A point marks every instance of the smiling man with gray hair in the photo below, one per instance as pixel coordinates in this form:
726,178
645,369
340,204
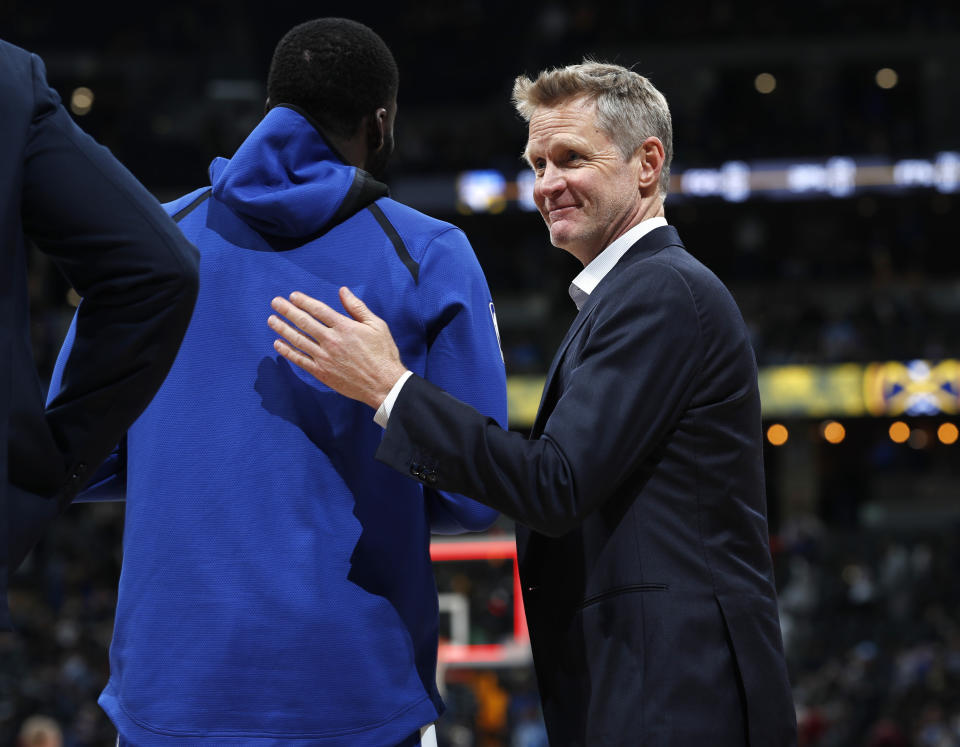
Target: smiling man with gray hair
642,522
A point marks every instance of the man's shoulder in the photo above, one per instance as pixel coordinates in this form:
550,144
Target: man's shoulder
23,85
670,265
675,259
412,221
423,235
16,63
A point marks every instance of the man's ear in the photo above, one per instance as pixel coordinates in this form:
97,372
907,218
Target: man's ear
650,157
376,130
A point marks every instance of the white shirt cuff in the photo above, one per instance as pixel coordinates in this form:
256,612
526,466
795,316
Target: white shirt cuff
383,412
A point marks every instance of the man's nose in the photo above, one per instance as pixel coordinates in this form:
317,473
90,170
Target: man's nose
551,182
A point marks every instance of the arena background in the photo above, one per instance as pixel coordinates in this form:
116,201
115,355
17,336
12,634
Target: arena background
817,169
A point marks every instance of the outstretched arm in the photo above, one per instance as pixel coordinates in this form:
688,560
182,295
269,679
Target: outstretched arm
463,358
601,430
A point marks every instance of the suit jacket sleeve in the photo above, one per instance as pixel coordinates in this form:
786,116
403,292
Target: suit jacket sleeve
108,482
463,358
626,386
137,275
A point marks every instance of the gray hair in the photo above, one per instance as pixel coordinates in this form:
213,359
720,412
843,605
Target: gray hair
629,108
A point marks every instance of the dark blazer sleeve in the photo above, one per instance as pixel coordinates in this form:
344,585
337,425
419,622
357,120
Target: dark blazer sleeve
626,385
138,277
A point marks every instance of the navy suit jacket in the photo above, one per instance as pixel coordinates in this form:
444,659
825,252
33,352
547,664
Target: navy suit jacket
137,274
642,534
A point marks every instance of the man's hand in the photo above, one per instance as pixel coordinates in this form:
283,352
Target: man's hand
355,357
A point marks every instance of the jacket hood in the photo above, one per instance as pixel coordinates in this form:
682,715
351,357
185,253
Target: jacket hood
286,180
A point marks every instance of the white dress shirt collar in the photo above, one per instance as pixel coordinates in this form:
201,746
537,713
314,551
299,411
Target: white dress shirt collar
584,283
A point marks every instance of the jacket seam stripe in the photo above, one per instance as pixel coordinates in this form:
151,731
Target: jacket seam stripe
184,212
398,245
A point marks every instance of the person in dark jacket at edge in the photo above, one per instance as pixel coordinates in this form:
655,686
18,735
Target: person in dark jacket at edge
69,197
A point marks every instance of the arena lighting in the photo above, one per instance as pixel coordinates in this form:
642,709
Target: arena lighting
481,192
899,432
919,439
948,433
525,181
765,83
731,182
777,434
886,77
81,101
833,432
833,177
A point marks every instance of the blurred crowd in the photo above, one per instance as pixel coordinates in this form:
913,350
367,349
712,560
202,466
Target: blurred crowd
55,663
871,624
176,88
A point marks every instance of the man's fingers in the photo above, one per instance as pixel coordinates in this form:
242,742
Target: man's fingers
357,308
302,319
294,336
316,309
295,356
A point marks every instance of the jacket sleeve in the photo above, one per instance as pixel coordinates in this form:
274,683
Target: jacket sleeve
137,276
463,358
108,482
630,384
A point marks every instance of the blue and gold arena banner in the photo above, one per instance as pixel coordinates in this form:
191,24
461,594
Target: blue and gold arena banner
880,389
913,388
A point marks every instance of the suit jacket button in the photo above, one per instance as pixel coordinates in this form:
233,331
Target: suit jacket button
415,469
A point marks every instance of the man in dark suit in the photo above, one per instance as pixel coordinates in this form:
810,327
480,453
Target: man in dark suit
642,534
138,278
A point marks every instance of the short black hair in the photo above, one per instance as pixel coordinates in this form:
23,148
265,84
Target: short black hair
335,69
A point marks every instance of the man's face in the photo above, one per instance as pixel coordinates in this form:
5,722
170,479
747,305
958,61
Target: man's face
377,160
586,192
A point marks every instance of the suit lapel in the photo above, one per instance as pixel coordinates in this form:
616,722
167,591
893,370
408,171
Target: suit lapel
647,246
542,411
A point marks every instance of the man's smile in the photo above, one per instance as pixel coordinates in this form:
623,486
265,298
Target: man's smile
558,213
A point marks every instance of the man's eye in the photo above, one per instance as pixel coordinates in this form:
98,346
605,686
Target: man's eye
573,156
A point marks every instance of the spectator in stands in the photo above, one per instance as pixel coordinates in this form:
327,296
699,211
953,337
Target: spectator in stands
40,731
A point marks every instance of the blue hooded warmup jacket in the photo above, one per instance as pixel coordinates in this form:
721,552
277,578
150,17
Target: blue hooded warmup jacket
276,586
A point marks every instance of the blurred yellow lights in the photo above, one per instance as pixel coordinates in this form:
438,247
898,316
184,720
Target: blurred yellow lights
834,432
948,433
886,77
777,434
899,432
81,101
765,83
